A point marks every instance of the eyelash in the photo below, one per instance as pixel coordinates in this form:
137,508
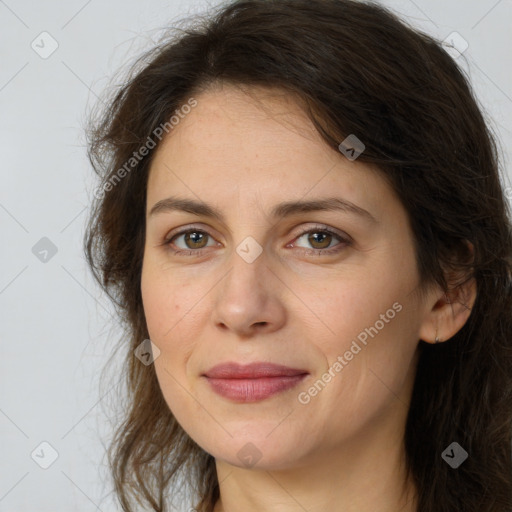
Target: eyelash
345,241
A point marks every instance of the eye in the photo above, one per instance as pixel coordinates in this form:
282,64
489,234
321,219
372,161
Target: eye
321,238
194,240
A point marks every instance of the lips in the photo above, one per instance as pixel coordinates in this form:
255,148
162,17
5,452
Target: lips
252,371
253,382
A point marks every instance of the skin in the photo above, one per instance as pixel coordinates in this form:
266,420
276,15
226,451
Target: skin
343,450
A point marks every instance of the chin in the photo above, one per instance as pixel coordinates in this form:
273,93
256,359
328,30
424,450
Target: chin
258,451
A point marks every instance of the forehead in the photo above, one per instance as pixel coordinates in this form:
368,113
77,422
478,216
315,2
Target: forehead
229,122
260,143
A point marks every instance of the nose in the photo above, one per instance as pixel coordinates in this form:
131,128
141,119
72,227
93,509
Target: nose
249,300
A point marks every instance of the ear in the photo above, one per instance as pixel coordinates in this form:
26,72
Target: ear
447,312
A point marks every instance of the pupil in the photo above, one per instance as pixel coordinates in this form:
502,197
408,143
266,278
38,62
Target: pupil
323,236
195,237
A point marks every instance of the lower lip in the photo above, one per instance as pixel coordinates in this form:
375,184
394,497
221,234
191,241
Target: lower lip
253,390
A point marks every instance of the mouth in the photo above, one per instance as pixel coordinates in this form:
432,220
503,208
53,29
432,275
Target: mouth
253,382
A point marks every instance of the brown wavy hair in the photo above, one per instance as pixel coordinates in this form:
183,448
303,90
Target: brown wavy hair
357,68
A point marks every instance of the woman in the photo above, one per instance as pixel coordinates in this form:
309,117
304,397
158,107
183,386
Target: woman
301,208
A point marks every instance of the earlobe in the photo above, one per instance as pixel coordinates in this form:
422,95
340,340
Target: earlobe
449,313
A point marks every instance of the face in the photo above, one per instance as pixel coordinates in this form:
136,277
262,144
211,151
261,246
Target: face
331,292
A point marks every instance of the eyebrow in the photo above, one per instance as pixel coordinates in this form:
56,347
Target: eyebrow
280,210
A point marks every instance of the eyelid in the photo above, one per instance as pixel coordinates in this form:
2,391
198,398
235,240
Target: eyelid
323,227
183,229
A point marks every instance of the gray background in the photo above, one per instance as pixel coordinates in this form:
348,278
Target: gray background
56,328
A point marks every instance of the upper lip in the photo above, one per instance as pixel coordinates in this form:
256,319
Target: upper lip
255,370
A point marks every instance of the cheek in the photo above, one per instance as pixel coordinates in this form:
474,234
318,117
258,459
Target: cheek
170,327
166,301
174,308
368,364
372,326
349,307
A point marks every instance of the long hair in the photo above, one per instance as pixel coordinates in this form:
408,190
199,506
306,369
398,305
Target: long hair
355,68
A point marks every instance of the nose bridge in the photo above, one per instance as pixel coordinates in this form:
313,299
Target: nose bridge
245,298
245,280
248,259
